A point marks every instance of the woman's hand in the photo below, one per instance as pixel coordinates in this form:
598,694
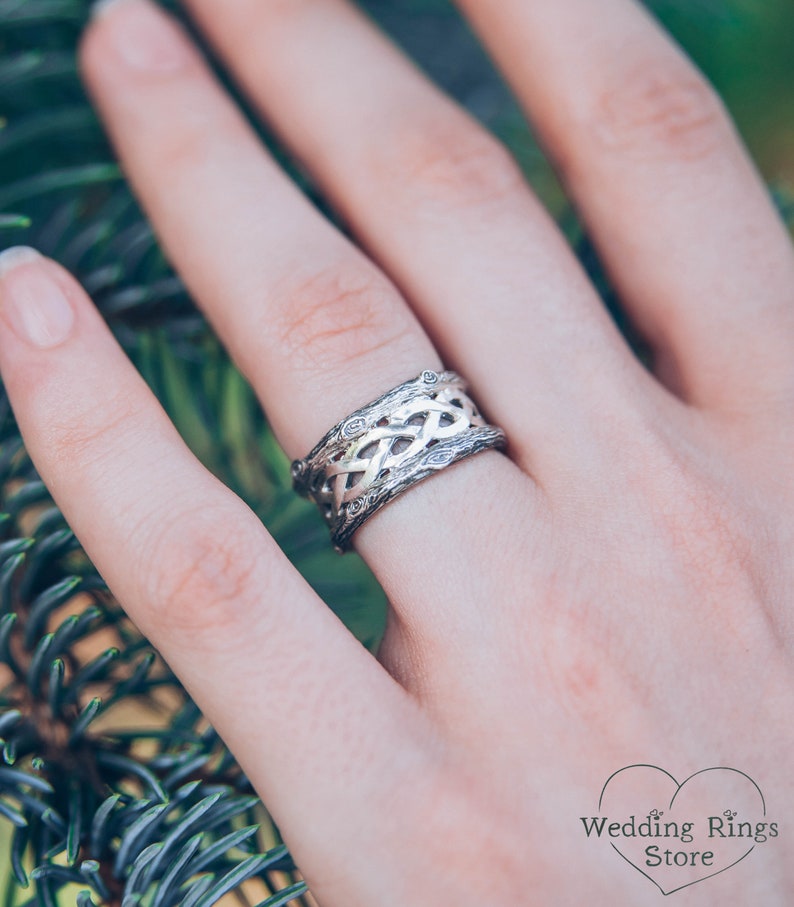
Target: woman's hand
616,590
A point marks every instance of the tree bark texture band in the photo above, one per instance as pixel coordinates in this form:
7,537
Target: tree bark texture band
407,434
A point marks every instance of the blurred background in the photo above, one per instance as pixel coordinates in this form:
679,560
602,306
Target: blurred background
109,710
745,47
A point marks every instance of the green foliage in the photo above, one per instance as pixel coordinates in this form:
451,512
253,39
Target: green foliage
113,787
158,814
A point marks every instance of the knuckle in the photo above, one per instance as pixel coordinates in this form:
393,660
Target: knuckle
335,316
182,150
452,159
663,108
79,437
575,672
194,142
199,572
704,530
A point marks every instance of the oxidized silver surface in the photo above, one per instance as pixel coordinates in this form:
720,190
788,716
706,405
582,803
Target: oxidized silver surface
377,452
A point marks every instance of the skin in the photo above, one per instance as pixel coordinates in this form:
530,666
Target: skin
617,589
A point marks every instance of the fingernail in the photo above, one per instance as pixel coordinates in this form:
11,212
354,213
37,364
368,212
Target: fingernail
144,37
33,303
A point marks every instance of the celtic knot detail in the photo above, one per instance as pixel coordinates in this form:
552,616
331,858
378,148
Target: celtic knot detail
404,436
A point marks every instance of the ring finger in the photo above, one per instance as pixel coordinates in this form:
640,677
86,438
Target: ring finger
444,209
315,326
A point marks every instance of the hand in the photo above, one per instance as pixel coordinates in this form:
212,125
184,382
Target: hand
617,589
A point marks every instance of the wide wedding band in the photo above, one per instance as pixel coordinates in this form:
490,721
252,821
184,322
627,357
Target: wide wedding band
409,433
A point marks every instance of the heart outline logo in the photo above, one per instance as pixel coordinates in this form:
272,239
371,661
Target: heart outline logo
678,788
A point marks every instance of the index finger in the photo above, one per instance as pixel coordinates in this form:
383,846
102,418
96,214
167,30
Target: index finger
295,696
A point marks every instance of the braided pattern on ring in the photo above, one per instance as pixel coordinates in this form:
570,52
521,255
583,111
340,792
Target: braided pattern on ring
394,442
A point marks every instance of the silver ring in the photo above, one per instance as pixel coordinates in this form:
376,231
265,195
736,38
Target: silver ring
382,449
